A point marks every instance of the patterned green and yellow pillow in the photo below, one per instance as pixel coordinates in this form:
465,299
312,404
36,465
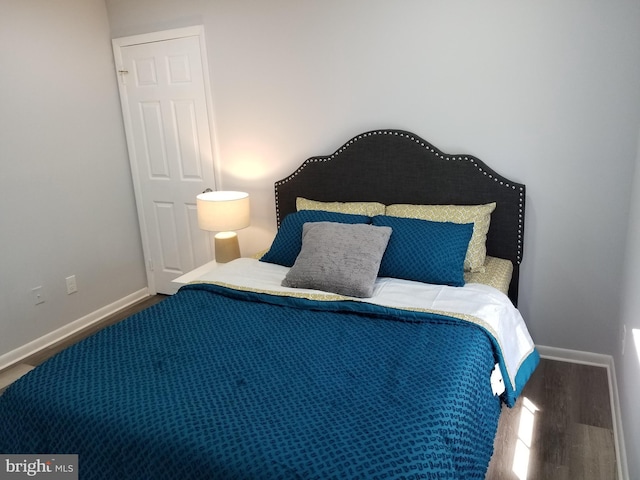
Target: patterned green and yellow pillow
479,215
370,209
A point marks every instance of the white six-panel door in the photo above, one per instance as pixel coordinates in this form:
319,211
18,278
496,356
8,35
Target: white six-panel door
164,95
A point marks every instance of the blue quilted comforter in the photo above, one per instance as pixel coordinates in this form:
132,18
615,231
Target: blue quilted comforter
218,383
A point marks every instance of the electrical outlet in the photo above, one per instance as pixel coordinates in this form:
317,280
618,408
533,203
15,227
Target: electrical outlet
37,295
72,286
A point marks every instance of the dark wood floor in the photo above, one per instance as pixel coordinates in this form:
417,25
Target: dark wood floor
561,427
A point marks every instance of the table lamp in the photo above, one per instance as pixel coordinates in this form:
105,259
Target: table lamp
223,212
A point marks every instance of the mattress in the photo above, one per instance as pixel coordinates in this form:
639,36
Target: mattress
497,273
243,381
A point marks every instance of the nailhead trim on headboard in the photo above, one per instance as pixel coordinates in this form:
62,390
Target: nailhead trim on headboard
472,160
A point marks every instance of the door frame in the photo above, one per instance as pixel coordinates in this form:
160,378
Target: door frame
118,44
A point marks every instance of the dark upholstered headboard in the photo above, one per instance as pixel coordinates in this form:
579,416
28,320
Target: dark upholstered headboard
394,166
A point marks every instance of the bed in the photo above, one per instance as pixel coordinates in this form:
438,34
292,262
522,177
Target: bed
279,367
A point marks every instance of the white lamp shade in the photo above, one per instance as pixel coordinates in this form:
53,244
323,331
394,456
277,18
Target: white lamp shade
223,211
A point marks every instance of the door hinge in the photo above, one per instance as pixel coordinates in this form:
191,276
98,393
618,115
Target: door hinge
150,265
122,73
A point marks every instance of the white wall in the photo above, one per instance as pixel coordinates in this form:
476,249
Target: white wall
67,198
628,365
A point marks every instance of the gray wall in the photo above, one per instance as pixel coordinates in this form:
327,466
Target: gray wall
628,365
67,198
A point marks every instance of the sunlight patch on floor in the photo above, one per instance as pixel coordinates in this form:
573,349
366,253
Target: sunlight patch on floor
523,444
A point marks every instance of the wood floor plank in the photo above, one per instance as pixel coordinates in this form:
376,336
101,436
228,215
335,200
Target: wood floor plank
592,452
501,465
594,406
554,401
548,471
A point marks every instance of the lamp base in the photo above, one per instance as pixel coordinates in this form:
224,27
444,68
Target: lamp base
226,246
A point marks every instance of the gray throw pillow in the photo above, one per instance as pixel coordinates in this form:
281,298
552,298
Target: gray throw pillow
339,258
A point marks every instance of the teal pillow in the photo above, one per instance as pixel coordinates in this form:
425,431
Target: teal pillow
425,251
288,242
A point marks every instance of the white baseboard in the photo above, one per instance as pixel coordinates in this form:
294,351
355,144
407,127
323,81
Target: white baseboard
16,356
600,360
